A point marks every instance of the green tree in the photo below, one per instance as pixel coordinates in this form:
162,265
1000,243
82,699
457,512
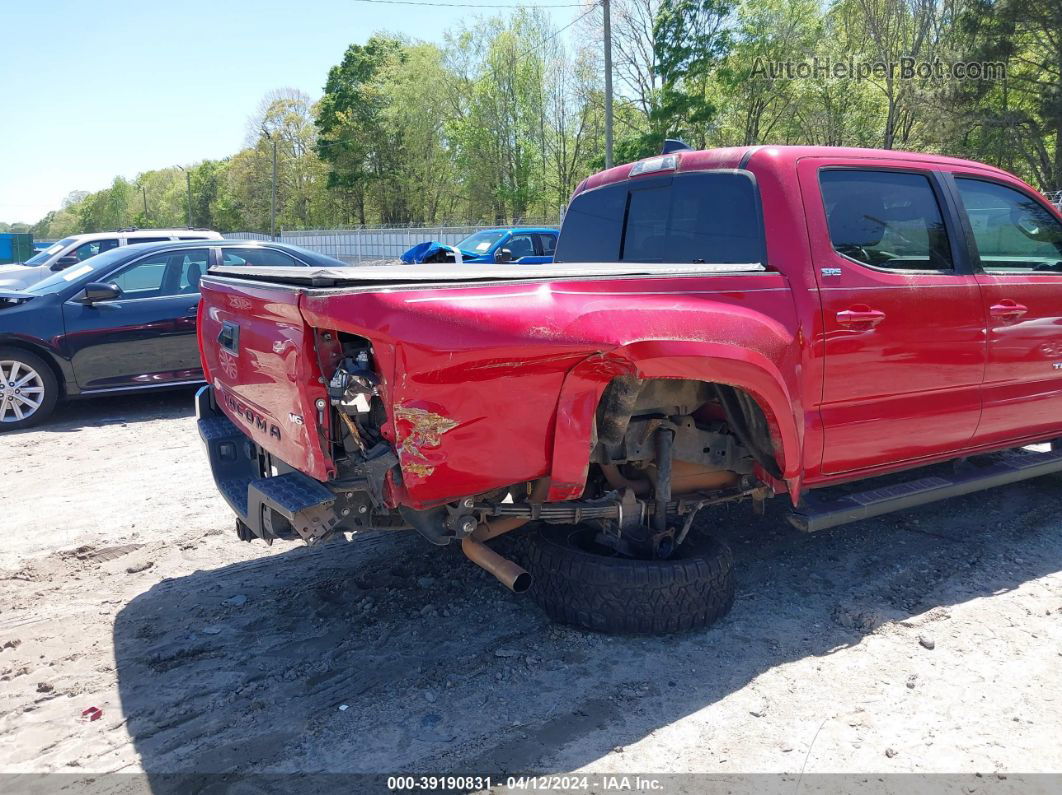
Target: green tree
287,116
690,37
757,109
1015,122
498,123
354,138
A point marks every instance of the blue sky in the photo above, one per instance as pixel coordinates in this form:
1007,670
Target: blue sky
91,90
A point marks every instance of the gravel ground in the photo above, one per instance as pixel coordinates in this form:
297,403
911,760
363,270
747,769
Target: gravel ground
929,641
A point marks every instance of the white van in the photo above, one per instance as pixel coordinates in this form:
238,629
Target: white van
78,248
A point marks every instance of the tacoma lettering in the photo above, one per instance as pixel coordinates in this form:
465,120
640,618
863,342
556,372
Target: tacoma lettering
253,417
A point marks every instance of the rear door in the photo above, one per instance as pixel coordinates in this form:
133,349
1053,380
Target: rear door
902,313
1017,242
146,337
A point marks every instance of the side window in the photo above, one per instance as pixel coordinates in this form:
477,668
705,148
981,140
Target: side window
133,240
164,274
548,243
91,249
193,265
521,246
886,219
142,279
1013,231
259,257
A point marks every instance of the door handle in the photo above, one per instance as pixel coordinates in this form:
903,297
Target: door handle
1007,309
860,317
229,337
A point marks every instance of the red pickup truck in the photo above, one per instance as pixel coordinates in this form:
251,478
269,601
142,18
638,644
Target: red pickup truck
718,325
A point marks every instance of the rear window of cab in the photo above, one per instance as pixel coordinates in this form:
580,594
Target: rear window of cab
710,217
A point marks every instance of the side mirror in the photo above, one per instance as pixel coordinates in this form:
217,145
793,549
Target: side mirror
65,262
503,255
100,291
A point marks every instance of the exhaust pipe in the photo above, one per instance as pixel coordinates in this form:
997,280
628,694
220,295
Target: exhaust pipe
513,577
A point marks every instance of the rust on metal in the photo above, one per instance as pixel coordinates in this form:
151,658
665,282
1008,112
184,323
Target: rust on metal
354,434
686,478
425,432
416,468
509,574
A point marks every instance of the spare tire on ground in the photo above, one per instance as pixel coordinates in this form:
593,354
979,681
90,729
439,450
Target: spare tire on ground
578,582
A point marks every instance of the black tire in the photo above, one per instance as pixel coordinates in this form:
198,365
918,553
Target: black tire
619,595
46,380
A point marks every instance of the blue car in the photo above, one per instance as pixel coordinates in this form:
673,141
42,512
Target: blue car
525,245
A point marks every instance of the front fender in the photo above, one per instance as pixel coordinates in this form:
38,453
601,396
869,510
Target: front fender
60,365
741,367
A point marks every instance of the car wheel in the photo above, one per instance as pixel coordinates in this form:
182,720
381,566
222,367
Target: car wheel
579,582
28,389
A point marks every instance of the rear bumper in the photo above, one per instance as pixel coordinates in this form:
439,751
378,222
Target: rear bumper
251,481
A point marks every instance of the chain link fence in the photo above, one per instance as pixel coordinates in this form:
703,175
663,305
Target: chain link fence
372,243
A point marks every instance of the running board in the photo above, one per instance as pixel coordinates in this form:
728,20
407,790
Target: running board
818,513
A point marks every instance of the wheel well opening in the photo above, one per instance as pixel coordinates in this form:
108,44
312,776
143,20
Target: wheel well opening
704,414
42,354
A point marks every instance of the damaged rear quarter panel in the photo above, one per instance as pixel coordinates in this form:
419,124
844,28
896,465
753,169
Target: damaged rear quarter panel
473,375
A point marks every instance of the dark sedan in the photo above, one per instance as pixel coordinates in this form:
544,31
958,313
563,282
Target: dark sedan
118,322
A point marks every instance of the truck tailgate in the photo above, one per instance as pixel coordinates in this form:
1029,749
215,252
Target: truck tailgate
259,356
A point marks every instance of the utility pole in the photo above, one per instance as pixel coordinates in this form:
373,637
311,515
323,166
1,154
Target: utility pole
143,192
188,183
606,8
273,198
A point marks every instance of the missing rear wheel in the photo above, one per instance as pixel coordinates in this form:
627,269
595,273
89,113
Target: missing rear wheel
580,582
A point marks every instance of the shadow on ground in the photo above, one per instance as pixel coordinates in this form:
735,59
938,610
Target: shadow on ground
387,655
117,409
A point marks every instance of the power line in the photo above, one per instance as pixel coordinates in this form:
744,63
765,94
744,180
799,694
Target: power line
541,44
470,5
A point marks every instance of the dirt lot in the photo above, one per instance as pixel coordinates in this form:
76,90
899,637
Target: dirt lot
929,641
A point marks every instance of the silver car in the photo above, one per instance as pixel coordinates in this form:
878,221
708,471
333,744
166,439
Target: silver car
76,249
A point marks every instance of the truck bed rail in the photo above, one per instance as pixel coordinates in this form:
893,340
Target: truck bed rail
375,277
